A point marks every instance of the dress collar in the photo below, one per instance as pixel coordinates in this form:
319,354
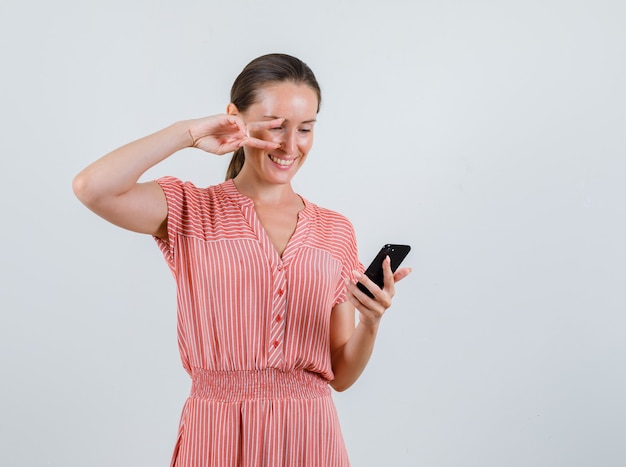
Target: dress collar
230,189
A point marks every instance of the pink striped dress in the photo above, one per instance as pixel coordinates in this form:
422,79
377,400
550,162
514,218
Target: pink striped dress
253,329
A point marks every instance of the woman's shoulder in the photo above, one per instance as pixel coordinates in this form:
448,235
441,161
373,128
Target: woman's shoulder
198,201
175,181
325,212
189,188
329,219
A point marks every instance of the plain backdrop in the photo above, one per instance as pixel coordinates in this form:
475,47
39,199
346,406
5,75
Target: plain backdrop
489,135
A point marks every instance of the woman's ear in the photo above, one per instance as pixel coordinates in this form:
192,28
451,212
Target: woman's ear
231,109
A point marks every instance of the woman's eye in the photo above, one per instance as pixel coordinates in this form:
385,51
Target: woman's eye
305,130
276,128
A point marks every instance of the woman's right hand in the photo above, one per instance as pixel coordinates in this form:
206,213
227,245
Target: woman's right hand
221,134
110,187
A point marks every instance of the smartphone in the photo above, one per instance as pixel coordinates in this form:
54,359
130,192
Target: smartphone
396,253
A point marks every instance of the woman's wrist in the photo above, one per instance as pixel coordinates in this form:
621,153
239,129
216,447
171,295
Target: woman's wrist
180,132
369,324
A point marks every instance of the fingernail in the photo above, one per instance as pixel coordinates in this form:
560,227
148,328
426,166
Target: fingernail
357,274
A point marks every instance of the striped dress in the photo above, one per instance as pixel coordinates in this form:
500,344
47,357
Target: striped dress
253,329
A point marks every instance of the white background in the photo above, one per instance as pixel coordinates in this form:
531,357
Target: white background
490,135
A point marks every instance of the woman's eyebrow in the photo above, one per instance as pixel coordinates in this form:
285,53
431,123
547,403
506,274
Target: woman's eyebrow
273,117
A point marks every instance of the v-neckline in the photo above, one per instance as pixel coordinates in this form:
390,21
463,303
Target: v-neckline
297,237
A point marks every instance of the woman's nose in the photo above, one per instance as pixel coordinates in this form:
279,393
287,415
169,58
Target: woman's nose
289,143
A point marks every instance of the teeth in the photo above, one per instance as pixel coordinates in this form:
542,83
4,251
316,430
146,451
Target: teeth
282,162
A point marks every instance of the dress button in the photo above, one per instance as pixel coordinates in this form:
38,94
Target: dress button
280,267
275,344
279,319
280,292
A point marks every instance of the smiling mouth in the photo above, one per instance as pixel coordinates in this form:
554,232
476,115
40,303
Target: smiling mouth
282,162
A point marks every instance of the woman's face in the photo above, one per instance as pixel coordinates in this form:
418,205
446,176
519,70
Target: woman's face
295,103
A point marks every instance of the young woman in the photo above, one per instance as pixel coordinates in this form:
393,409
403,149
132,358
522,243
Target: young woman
265,278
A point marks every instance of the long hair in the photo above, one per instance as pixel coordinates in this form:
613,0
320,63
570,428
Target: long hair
271,68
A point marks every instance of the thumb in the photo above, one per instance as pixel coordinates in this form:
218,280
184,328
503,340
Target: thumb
401,274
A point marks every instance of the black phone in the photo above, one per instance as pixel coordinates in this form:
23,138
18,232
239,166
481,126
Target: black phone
396,254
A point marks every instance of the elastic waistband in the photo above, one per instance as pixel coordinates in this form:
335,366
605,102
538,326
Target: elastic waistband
257,384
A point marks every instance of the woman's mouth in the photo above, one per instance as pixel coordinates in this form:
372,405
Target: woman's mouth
281,162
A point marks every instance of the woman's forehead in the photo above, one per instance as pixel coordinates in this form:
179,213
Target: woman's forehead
286,100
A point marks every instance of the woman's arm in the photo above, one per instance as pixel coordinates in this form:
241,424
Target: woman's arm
110,187
351,347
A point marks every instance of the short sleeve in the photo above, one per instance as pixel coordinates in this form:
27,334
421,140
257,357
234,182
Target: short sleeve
174,190
348,253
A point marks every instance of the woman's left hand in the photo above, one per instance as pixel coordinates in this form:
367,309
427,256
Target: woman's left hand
371,310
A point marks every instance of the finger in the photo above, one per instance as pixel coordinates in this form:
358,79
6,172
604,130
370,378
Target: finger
237,122
259,143
388,280
381,297
261,125
366,282
264,124
228,147
359,299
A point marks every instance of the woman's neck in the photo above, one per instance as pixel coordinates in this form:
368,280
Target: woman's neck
265,193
